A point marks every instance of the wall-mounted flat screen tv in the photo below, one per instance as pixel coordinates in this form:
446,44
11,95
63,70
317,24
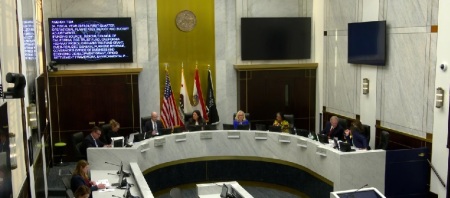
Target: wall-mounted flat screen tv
276,38
90,40
367,43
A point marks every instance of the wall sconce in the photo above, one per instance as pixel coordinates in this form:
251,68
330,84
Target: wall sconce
365,86
32,118
12,150
439,97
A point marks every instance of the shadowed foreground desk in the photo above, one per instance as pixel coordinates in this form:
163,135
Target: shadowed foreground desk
340,170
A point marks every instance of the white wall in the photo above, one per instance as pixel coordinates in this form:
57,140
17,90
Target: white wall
441,116
10,63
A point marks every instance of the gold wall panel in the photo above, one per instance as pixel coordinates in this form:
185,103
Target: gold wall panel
191,48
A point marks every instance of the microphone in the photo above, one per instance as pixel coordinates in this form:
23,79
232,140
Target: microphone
111,163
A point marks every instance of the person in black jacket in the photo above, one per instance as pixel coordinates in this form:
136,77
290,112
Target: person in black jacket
108,131
333,129
92,140
80,178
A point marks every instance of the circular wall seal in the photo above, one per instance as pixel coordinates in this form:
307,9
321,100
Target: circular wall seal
186,20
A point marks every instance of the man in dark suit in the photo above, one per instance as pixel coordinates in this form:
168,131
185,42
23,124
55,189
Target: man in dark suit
153,126
333,129
92,140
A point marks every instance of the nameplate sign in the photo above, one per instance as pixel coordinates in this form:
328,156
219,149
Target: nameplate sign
260,136
302,143
180,138
234,135
159,142
144,147
321,151
205,135
284,139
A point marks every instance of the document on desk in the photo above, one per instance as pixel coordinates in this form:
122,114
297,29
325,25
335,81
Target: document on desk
105,182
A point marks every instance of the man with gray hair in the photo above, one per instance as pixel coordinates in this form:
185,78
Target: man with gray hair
333,129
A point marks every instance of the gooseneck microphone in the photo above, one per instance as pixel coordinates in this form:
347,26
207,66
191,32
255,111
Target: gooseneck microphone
111,163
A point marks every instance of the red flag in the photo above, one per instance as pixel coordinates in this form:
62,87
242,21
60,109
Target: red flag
169,114
199,103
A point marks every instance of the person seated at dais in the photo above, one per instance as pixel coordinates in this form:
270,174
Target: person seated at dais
154,125
80,178
240,119
282,122
92,140
333,129
82,192
196,119
108,131
358,139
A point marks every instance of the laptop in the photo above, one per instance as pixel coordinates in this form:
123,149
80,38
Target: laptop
138,137
302,132
195,128
323,138
243,127
275,128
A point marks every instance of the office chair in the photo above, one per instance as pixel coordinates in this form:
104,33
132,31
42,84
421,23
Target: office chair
143,121
66,181
366,134
261,127
303,132
343,122
228,127
210,127
290,119
69,193
384,140
175,193
77,140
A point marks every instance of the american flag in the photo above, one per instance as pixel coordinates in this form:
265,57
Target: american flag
169,114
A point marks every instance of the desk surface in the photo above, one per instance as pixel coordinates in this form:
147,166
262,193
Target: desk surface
345,170
113,191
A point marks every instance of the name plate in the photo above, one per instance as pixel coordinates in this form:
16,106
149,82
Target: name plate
159,142
260,136
302,143
180,138
321,151
144,147
234,135
284,139
205,135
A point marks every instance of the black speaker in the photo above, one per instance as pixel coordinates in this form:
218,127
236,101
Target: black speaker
18,91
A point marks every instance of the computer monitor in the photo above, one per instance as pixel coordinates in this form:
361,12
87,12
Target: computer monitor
117,141
275,128
138,137
323,138
302,132
194,128
345,147
243,127
210,127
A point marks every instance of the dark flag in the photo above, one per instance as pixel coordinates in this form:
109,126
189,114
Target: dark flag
211,108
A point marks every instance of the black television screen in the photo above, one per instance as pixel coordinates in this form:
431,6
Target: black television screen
367,43
90,40
276,38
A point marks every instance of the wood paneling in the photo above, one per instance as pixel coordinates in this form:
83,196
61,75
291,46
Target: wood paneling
80,102
262,93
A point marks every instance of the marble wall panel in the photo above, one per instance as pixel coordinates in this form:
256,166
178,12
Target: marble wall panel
271,8
403,82
406,13
340,13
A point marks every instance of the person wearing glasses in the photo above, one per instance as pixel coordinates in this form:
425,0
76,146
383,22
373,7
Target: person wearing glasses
240,119
92,140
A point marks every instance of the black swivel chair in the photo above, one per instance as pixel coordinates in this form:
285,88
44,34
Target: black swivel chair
366,134
228,127
290,119
261,127
384,140
77,143
343,122
143,121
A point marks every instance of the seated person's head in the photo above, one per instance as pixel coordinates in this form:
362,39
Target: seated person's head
356,126
154,116
240,116
96,132
280,116
82,168
334,120
196,115
115,126
82,192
